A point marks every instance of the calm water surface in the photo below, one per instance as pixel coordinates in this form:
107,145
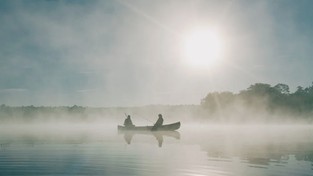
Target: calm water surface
195,150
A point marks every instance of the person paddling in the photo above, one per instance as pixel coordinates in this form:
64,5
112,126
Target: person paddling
158,123
128,122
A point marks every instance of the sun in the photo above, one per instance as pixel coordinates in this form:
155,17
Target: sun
202,48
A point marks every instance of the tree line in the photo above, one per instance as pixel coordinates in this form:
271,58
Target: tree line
263,98
259,101
81,113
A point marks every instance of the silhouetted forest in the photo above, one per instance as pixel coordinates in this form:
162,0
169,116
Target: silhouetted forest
148,114
262,99
259,102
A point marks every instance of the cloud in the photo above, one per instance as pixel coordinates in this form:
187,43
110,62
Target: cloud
13,90
86,90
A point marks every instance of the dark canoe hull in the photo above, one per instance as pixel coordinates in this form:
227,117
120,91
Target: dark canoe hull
168,127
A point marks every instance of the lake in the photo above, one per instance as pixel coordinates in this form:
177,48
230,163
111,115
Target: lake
195,150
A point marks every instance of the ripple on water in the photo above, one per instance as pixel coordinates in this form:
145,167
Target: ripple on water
192,155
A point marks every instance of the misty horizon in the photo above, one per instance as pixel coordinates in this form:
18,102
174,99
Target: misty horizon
259,103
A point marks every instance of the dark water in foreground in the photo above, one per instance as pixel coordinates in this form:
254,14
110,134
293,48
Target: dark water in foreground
194,150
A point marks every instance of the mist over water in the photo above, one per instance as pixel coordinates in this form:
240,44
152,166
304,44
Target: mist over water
97,148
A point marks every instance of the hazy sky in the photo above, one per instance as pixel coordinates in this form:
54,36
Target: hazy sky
129,53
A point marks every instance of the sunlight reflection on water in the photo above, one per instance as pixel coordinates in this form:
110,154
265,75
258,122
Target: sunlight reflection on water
200,150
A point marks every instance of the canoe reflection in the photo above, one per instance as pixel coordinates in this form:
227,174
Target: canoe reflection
128,135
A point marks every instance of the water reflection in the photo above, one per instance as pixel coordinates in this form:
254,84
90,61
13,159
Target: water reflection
260,148
200,151
4,146
158,135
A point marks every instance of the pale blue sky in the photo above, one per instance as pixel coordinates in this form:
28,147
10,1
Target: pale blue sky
127,53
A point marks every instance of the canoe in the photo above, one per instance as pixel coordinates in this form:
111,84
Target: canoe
168,127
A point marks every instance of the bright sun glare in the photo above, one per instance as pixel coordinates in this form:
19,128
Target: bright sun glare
202,48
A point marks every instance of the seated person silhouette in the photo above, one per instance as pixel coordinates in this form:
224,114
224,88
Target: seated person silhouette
158,123
128,122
